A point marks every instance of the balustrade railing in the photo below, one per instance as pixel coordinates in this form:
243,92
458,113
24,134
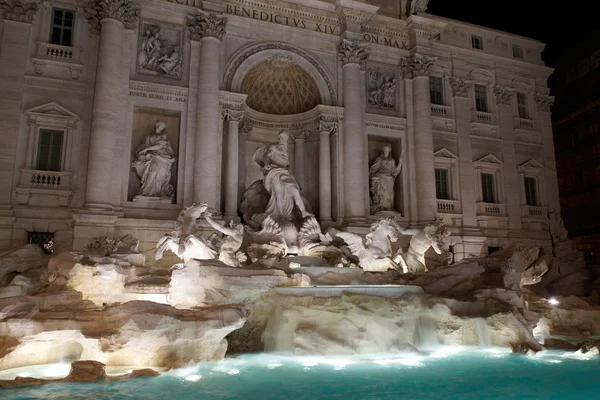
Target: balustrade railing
45,179
441,111
525,124
448,206
538,212
491,209
484,118
59,53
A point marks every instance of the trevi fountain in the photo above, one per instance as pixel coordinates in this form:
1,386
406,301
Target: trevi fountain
278,306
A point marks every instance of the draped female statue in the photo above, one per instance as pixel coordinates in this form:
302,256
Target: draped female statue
154,159
382,176
278,180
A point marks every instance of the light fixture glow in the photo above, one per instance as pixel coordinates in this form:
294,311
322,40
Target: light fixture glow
553,301
193,378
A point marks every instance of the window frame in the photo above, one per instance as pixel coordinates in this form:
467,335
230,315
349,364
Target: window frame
490,165
477,100
476,39
62,27
523,108
448,183
484,191
533,169
517,54
536,191
441,90
54,133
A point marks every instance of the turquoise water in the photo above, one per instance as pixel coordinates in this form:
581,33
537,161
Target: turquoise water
448,373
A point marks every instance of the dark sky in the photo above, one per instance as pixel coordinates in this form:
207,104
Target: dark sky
551,22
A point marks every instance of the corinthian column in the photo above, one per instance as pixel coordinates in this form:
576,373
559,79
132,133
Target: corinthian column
232,167
109,17
208,28
325,129
353,54
417,68
299,140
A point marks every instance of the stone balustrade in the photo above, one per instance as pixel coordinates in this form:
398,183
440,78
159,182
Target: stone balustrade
491,209
61,56
537,212
48,188
526,124
441,111
484,118
448,206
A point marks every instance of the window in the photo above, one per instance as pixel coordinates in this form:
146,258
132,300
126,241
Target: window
436,90
488,189
481,103
62,27
522,105
517,52
477,42
531,192
442,184
49,150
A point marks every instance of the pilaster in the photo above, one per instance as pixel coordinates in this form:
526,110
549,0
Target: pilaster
14,46
326,128
511,177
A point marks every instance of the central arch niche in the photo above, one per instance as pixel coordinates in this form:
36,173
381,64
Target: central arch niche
278,86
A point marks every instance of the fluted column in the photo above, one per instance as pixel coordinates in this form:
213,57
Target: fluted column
512,184
208,28
353,54
109,17
417,68
299,150
233,118
325,129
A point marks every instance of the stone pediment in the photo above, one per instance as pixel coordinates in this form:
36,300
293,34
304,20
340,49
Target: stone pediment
52,109
490,159
531,164
445,153
481,74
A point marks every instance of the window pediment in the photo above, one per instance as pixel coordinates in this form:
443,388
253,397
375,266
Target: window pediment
489,159
445,153
531,164
52,112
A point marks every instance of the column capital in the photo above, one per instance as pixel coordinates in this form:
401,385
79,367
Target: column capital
353,52
15,10
543,101
301,134
121,10
327,127
503,95
460,87
416,65
206,24
233,115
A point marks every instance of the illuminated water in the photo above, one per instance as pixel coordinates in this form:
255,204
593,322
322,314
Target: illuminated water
447,373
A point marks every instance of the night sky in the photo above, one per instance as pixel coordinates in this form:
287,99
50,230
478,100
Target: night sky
551,22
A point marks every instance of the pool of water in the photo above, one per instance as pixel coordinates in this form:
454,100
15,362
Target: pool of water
447,373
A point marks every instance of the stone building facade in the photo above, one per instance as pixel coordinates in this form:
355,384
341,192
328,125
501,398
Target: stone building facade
84,84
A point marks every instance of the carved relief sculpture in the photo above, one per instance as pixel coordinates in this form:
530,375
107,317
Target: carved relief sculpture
15,10
159,51
382,176
381,88
120,10
153,162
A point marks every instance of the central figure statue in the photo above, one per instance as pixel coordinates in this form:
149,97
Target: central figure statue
284,191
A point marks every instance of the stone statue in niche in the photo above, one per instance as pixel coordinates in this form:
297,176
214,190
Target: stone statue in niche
153,162
382,175
381,89
159,53
285,197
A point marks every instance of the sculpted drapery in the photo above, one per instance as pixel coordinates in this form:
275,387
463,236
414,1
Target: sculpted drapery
382,176
154,160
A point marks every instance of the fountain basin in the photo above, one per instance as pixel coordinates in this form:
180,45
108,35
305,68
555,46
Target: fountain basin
337,290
